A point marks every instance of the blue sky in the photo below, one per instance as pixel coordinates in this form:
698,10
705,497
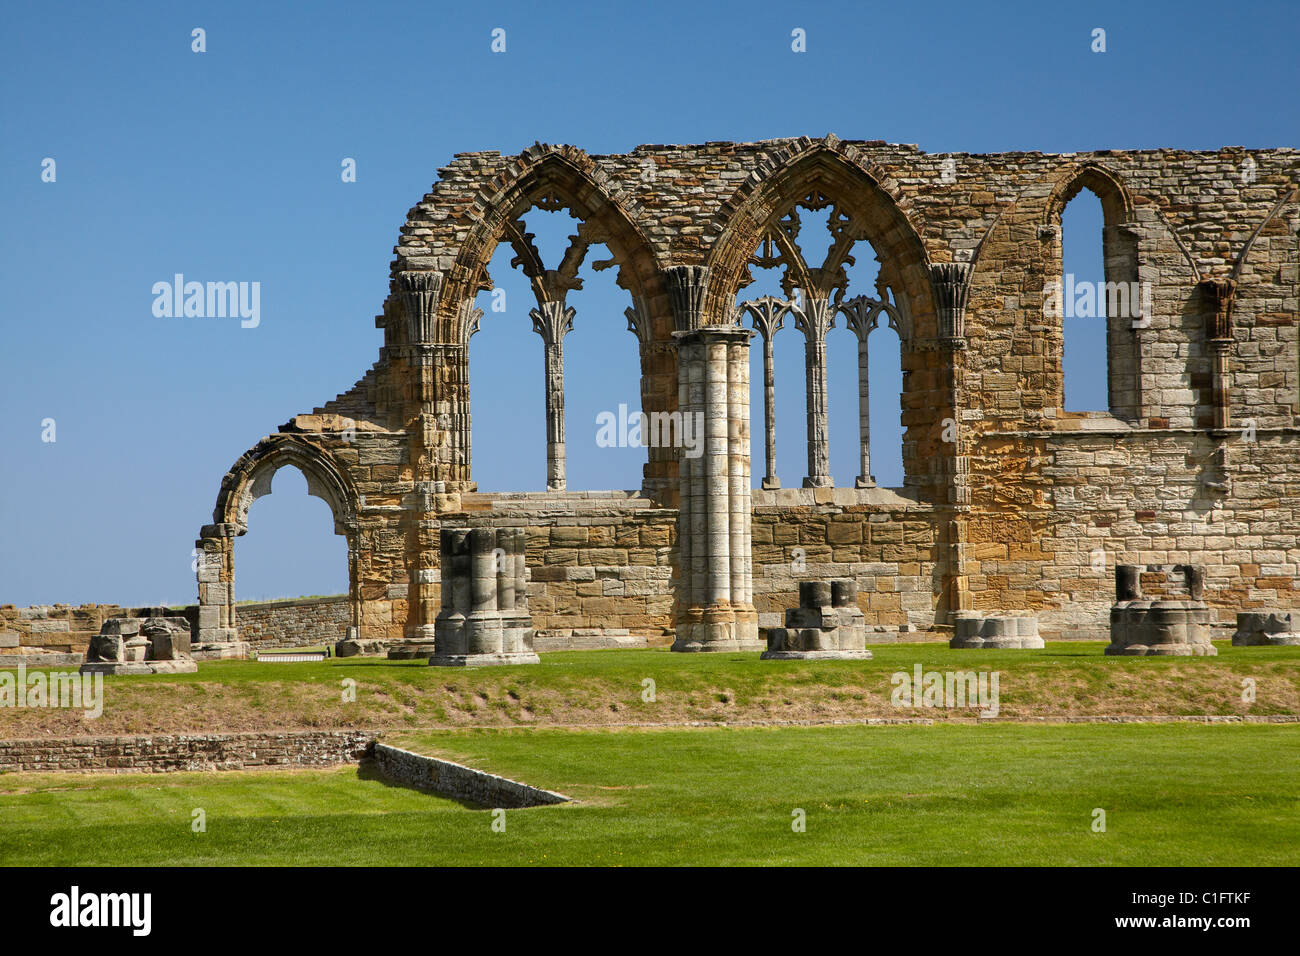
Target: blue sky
225,166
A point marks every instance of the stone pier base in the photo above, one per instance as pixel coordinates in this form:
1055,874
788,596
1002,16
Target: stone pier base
998,632
1265,629
827,625
1142,627
484,619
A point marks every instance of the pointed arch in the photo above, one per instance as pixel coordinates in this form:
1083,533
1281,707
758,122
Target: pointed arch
867,193
251,476
556,177
1105,183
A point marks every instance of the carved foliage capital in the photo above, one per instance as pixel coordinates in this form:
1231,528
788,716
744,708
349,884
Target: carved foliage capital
815,319
553,321
767,314
687,286
419,293
951,284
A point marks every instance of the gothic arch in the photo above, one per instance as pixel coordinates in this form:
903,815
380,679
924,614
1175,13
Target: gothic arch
835,169
1109,187
561,177
866,205
250,478
565,178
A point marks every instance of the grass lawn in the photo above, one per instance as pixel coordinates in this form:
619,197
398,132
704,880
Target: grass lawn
605,688
945,794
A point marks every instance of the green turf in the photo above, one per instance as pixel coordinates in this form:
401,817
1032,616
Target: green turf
1173,794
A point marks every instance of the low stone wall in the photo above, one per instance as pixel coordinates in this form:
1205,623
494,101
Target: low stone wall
458,781
60,629
170,753
294,623
51,634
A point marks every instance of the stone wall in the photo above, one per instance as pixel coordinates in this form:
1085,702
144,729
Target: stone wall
59,629
1083,502
882,540
457,781
295,623
167,753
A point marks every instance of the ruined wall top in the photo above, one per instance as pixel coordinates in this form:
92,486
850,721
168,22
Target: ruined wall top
679,200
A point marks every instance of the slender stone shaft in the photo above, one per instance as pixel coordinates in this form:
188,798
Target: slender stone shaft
865,479
815,320
768,315
716,480
553,321
770,479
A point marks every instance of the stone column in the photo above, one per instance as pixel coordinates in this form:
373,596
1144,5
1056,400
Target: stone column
715,610
863,315
950,284
1218,336
430,366
814,321
553,321
768,316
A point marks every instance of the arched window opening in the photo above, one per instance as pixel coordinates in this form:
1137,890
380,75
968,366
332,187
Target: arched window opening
290,549
555,375
813,264
507,417
1083,305
777,347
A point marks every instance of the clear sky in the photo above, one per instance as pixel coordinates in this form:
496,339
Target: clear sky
225,165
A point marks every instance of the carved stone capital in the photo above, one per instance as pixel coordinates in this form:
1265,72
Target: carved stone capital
951,284
638,321
861,315
468,320
553,321
419,293
815,319
767,314
687,286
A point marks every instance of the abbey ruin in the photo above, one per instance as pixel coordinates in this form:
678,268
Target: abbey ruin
1010,505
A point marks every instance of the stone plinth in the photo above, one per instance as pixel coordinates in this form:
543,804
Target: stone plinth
995,632
1265,629
484,618
151,645
1165,627
827,625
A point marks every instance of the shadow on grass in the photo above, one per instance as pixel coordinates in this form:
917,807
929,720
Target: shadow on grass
369,772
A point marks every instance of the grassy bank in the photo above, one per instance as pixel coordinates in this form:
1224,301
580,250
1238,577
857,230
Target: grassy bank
584,688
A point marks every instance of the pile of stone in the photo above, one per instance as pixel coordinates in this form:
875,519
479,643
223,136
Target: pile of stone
827,625
158,644
484,617
1265,629
1165,627
995,632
